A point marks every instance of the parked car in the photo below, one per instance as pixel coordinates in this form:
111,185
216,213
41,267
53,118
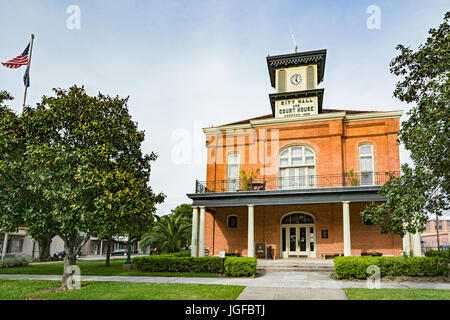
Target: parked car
119,252
62,254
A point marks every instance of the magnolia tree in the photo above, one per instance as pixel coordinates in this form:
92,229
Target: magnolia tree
83,160
424,189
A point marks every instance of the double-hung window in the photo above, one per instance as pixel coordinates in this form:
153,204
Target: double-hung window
366,164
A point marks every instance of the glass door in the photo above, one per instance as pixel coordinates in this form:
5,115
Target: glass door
233,172
298,241
292,240
302,240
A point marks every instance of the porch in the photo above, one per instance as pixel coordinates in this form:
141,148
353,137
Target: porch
335,223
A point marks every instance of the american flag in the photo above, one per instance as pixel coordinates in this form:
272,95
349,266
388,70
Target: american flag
19,61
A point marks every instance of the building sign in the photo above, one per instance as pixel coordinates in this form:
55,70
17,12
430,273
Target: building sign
299,107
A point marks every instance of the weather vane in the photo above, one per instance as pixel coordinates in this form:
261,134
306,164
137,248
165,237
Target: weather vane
293,40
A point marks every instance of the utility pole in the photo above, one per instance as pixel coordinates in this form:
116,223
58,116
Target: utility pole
437,233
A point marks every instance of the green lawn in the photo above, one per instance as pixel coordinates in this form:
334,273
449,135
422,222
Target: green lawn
96,268
397,294
47,290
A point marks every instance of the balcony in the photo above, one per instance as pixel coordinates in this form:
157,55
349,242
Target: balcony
366,179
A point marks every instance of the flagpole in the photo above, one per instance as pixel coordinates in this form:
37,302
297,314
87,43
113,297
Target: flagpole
28,73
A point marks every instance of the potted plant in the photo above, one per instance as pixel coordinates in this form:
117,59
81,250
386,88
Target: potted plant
353,178
246,178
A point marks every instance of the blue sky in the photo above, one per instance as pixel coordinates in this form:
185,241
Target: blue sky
192,64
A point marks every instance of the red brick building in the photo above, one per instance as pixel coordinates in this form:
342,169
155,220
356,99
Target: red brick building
296,180
429,236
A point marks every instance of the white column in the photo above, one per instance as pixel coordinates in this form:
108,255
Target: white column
201,240
346,224
194,239
416,244
5,245
101,247
407,243
251,231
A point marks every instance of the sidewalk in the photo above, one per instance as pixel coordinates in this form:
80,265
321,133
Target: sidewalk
305,280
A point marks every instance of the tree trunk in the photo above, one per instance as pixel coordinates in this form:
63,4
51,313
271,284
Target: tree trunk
44,248
69,261
108,251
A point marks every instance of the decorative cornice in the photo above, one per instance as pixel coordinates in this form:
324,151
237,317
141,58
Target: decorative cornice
373,116
312,118
366,116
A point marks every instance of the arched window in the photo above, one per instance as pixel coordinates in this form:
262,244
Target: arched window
366,164
297,218
233,161
281,81
310,78
297,168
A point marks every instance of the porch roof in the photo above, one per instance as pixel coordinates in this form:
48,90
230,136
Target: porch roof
282,197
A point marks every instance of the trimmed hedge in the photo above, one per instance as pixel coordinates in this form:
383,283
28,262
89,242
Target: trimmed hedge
184,253
355,267
435,253
163,263
240,266
231,266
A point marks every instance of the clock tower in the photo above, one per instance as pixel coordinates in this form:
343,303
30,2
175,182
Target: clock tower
295,78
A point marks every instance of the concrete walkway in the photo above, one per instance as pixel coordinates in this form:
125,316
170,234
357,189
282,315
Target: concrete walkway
270,293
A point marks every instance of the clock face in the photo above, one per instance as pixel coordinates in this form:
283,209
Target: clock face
296,79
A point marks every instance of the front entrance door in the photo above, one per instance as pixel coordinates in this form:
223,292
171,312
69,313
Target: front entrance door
298,241
298,236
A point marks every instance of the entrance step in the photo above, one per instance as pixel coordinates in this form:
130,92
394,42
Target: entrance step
301,265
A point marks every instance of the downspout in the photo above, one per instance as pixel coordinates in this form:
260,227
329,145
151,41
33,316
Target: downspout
214,233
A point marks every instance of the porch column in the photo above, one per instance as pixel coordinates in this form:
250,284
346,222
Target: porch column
416,244
412,243
406,240
251,231
5,246
101,247
346,224
201,240
194,239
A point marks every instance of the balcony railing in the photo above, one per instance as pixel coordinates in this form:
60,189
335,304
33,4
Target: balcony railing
295,182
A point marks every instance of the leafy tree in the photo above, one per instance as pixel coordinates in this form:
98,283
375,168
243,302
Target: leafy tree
83,159
170,233
12,148
424,189
184,209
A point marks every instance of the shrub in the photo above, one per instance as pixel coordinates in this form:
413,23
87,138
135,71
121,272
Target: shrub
167,263
231,266
19,261
184,253
240,266
355,267
435,253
